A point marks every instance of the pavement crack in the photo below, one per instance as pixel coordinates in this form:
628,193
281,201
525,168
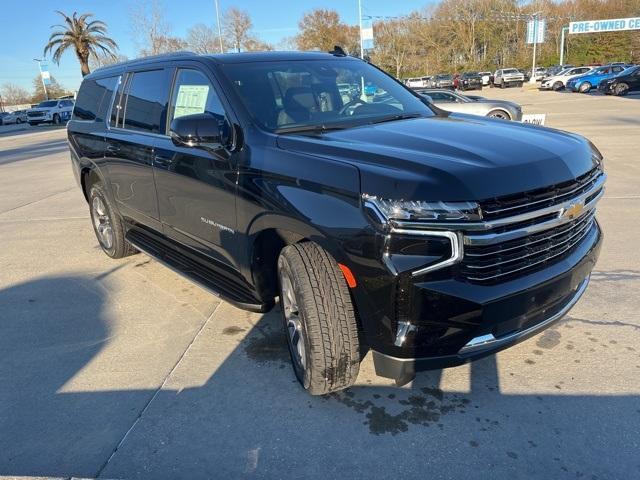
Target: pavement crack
156,393
36,201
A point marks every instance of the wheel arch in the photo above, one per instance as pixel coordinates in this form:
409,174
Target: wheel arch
498,109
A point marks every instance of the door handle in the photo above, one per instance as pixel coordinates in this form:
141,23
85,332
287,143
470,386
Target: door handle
162,162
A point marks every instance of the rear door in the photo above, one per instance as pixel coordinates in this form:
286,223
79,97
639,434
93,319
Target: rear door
138,119
196,186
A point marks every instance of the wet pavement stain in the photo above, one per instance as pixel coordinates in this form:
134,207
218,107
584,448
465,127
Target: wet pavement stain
267,346
233,330
549,339
424,409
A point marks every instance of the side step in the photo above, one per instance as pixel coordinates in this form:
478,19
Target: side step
199,269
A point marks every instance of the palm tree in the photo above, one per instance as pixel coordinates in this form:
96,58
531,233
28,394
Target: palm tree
87,37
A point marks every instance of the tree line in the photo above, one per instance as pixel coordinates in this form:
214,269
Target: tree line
448,37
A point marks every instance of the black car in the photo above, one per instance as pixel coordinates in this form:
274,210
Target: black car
469,81
380,222
626,81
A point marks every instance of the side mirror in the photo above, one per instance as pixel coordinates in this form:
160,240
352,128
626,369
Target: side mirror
197,130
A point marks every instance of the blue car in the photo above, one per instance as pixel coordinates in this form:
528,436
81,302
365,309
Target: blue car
584,83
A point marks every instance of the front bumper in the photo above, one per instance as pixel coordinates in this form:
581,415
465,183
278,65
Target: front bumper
479,320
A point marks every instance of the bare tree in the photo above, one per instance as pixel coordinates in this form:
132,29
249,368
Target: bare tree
236,25
102,60
151,31
203,39
255,45
13,94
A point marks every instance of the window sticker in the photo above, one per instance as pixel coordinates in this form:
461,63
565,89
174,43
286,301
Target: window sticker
191,99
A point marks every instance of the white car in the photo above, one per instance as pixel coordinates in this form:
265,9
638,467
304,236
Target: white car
486,78
50,111
559,80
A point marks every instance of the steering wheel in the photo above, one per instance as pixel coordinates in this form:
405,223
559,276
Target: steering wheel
352,103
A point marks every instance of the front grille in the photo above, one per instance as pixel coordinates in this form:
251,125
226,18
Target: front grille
35,114
540,198
502,261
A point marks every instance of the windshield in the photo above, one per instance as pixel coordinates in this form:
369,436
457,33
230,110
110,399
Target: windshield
281,96
510,70
50,103
444,77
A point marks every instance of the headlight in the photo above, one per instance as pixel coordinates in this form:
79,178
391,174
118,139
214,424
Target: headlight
415,210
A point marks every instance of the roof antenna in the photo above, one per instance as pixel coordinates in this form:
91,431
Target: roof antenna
338,51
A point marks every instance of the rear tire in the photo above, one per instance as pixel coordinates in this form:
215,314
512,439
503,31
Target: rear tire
107,224
584,87
319,319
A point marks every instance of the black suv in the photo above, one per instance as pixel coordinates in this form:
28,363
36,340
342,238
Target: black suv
379,221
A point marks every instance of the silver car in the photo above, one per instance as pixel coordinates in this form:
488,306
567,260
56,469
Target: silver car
455,102
19,116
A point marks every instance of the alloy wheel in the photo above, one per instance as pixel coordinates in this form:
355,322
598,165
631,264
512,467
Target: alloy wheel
102,222
293,323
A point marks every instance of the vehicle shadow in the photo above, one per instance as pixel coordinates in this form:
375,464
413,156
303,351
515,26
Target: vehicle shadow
249,418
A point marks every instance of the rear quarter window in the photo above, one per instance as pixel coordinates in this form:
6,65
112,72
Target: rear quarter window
92,94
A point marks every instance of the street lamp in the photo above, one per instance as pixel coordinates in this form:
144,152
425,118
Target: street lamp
44,86
564,29
219,29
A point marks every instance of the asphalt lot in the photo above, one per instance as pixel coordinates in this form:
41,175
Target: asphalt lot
122,369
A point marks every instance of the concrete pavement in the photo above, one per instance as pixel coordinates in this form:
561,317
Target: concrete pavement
122,369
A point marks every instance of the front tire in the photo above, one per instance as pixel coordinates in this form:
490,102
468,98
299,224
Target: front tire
107,224
557,86
621,89
319,319
501,114
56,119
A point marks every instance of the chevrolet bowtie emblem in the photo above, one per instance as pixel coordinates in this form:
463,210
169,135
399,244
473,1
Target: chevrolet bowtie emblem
572,211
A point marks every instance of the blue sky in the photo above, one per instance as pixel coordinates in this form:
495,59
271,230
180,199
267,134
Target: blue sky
26,26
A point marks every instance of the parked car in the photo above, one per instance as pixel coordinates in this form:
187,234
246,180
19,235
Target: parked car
50,111
457,102
559,80
2,115
508,77
393,227
486,78
539,74
626,81
417,82
17,116
468,81
584,83
555,69
524,73
444,80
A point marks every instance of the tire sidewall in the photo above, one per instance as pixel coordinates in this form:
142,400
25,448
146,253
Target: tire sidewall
303,375
621,89
585,87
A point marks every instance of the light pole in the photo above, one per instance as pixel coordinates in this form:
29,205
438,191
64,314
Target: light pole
360,22
564,29
219,29
44,86
532,79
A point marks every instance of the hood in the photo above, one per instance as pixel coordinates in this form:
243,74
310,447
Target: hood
450,157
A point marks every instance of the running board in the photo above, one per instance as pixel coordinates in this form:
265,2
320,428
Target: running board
200,271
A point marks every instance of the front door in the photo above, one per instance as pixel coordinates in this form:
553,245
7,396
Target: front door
196,186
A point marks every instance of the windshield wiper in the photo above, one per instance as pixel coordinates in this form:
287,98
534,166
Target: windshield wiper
393,118
321,128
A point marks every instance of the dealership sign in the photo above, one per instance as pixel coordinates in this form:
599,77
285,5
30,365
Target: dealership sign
611,25
535,30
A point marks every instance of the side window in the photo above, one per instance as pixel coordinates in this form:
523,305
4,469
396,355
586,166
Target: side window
192,94
617,69
109,85
88,101
145,106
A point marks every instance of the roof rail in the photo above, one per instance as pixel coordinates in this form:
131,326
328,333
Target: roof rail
180,53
